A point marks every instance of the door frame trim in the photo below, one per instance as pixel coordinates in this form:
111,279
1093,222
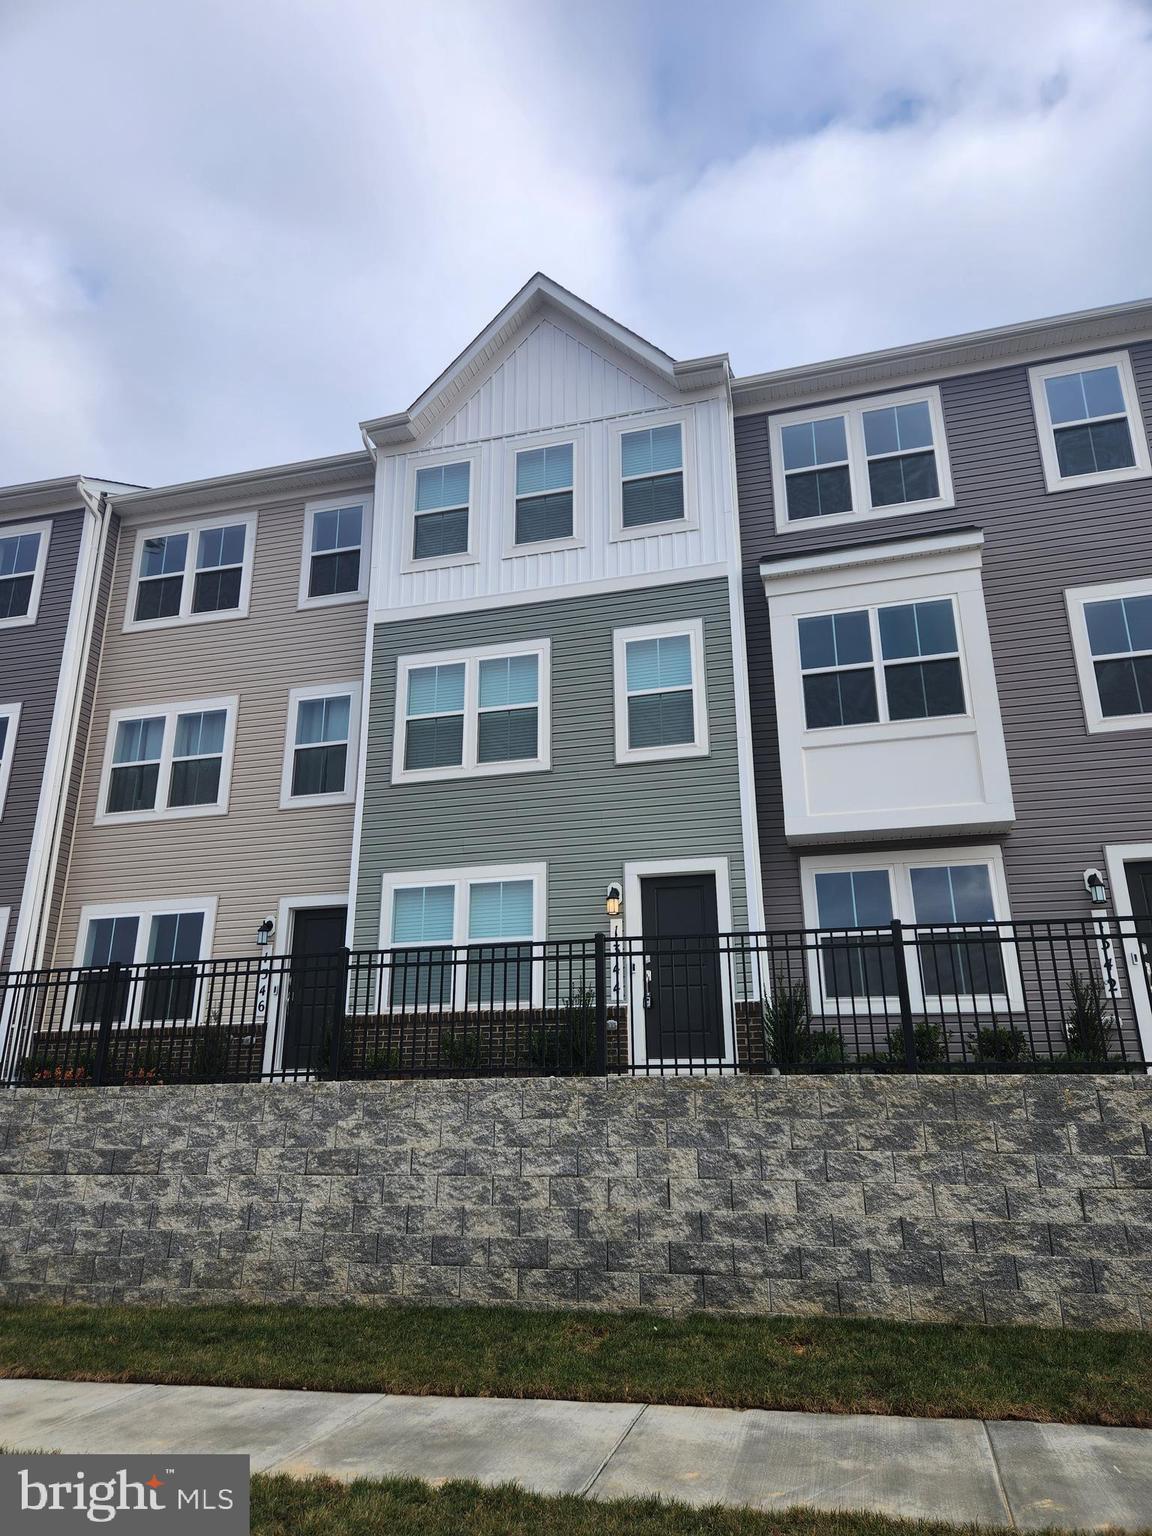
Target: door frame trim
1116,856
634,873
286,910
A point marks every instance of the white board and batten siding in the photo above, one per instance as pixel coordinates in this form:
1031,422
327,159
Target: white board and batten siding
553,379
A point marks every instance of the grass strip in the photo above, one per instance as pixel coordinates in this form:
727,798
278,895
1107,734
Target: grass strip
829,1365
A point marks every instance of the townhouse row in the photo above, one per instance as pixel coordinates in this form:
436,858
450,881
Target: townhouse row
822,647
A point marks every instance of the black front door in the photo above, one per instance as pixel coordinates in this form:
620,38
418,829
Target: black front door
1140,892
683,1013
315,987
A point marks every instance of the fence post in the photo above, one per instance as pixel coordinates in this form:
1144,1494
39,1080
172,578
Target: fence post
601,973
107,1021
911,1061
338,1012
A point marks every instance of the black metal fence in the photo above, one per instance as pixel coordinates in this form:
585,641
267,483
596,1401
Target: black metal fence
1059,995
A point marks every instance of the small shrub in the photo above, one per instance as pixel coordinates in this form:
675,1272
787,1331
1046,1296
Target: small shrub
1089,1023
990,1042
789,1036
570,1043
210,1056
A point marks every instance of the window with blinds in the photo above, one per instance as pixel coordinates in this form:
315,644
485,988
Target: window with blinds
480,712
660,710
652,476
544,494
440,524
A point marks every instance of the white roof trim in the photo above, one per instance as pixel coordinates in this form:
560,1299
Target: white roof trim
538,293
881,552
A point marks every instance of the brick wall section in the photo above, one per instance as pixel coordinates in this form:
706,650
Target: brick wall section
1000,1199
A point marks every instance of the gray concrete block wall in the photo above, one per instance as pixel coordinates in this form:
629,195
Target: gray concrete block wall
999,1199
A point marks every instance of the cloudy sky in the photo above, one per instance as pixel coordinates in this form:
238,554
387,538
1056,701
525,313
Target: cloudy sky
231,229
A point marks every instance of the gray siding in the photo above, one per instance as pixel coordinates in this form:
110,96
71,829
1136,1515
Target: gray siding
258,853
30,658
1073,791
588,815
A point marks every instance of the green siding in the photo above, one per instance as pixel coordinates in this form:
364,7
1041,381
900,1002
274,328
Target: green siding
588,815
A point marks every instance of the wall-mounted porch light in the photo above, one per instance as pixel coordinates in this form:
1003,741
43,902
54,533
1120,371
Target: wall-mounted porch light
265,931
614,900
1095,885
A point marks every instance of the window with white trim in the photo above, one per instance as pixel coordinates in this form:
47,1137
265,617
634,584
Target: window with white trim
1112,640
172,760
855,898
323,730
479,712
1089,421
870,458
661,710
192,573
464,938
441,512
334,544
23,558
545,494
9,723
162,941
898,662
652,476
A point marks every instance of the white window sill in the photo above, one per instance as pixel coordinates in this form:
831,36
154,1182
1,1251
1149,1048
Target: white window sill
654,530
866,515
411,564
315,802
662,754
333,600
541,547
177,813
887,730
178,621
480,771
1104,477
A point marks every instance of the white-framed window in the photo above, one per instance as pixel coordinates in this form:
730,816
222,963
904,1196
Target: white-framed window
869,458
660,704
476,712
9,725
865,666
1112,641
854,898
651,466
463,938
322,745
337,551
440,525
191,572
168,761
1089,421
162,941
23,561
545,512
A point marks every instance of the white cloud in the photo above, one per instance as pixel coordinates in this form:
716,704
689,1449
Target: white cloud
229,232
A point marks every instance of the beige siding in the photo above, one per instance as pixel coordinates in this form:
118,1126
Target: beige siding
257,853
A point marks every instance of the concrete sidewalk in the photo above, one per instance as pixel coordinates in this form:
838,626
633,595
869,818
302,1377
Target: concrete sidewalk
1027,1475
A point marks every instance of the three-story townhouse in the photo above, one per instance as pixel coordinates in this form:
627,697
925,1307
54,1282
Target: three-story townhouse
557,708
948,574
215,813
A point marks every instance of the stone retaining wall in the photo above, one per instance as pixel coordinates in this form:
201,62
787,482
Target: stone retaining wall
1001,1199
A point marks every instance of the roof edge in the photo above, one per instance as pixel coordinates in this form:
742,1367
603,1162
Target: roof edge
997,346
277,479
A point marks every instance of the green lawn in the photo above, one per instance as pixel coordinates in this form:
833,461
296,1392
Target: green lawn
283,1506
821,1364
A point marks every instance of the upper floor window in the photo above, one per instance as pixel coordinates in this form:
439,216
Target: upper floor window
871,458
479,712
320,758
185,574
545,482
440,525
652,476
23,557
335,568
9,721
1091,430
1112,641
659,680
172,760
900,662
